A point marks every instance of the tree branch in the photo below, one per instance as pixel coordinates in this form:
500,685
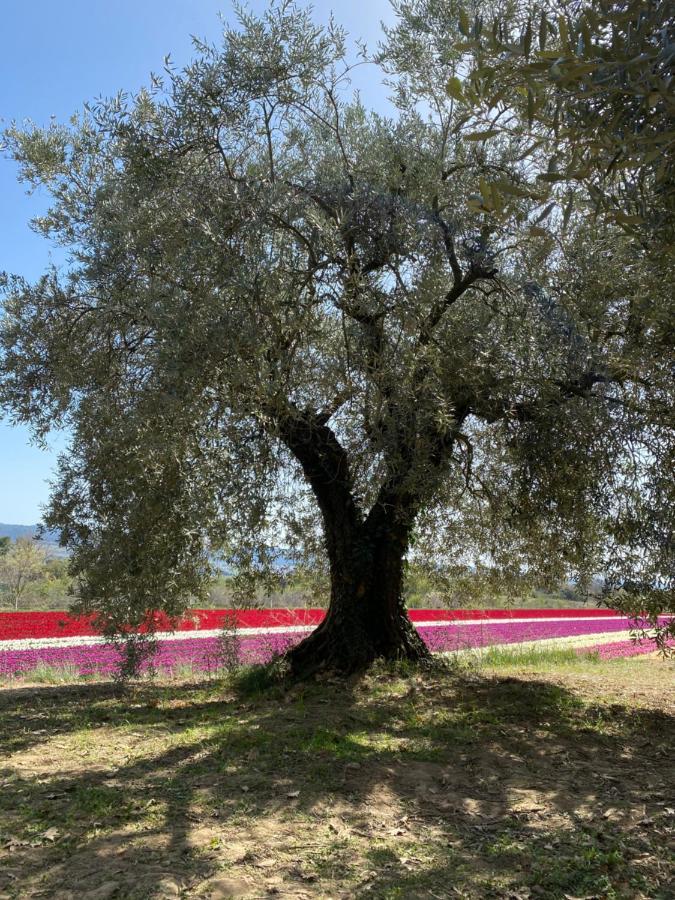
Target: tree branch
492,412
323,459
439,309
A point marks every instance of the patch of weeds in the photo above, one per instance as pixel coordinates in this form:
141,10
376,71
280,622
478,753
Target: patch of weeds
348,745
256,681
323,740
46,674
233,740
335,861
444,726
599,871
398,668
606,720
535,657
505,844
97,802
413,871
381,857
518,699
83,739
184,671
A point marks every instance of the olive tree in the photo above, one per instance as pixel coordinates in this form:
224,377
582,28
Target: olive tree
284,312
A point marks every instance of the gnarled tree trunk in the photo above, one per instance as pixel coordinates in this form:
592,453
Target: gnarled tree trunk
366,617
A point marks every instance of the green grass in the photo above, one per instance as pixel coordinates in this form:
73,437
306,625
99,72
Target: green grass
255,680
46,674
538,657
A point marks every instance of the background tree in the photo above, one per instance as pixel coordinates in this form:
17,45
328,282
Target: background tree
284,312
21,565
4,545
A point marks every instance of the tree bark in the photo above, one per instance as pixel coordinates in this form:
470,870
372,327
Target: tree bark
366,617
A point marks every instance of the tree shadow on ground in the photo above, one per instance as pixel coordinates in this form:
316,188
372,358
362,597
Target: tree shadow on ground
436,785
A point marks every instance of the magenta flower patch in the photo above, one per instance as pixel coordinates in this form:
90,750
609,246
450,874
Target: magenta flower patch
202,652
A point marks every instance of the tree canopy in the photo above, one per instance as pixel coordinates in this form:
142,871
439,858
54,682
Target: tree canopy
21,563
591,84
287,316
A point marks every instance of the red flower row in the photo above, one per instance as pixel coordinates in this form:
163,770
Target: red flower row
18,625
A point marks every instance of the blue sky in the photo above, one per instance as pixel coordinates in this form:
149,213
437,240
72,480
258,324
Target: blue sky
54,57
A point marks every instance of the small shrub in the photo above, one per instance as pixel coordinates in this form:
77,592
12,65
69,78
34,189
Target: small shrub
229,644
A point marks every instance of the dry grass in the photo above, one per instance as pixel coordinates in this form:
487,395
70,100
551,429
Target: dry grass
480,783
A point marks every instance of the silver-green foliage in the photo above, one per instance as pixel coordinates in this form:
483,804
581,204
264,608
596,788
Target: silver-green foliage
591,83
258,261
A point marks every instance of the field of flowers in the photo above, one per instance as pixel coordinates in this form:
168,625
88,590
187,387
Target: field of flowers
33,640
34,625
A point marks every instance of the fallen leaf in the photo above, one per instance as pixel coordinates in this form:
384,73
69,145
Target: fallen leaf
293,794
13,842
51,834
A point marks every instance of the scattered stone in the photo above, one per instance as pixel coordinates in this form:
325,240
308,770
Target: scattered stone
167,888
224,888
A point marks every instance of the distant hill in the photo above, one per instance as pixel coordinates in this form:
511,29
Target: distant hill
50,539
16,531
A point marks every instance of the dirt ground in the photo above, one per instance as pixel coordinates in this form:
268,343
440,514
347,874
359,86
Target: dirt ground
476,783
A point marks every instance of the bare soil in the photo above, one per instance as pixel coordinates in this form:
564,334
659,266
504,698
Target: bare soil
520,783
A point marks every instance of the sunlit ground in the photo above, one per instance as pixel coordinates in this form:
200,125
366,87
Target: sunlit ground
512,776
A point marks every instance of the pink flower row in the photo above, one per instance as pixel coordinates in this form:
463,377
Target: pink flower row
620,649
203,652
